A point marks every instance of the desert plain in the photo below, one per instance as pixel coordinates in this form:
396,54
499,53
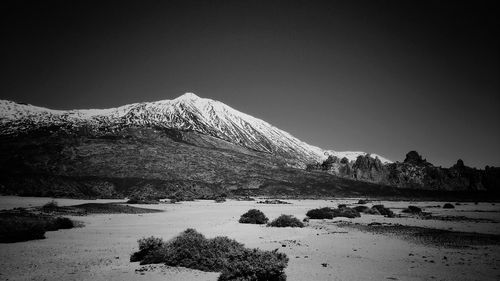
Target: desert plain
330,249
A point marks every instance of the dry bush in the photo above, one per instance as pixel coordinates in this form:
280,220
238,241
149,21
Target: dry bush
286,221
254,216
220,254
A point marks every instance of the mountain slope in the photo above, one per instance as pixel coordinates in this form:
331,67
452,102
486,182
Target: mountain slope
187,112
161,162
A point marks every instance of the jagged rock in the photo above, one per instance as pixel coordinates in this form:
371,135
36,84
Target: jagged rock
414,158
369,169
344,161
460,164
413,173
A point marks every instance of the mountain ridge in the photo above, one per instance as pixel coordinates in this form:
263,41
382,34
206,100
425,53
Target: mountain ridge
186,112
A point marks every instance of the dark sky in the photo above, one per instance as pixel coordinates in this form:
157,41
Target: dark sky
375,76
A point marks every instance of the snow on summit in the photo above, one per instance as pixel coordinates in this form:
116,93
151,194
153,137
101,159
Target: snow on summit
186,112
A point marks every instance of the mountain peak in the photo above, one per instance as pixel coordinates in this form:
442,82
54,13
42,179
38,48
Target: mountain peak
188,96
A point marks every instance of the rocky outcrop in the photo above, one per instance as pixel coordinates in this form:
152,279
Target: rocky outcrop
365,168
414,173
415,159
369,169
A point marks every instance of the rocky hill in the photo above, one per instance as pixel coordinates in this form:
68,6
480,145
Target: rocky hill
414,172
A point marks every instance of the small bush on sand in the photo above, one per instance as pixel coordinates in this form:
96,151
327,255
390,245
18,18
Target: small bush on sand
24,226
362,202
273,201
254,216
366,210
255,265
146,246
192,250
286,221
59,223
412,210
19,230
362,209
329,213
448,206
346,213
321,213
384,211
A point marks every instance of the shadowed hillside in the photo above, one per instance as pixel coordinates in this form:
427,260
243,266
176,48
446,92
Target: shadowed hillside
161,163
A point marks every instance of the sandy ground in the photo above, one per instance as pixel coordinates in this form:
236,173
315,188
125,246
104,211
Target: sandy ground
321,251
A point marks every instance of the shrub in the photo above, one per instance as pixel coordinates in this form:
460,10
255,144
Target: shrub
192,250
361,202
362,209
340,206
321,213
286,221
413,210
58,223
255,265
373,211
329,213
17,230
346,213
146,247
24,226
383,211
254,216
274,201
448,206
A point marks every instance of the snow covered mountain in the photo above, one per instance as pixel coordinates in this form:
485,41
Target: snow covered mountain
187,112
